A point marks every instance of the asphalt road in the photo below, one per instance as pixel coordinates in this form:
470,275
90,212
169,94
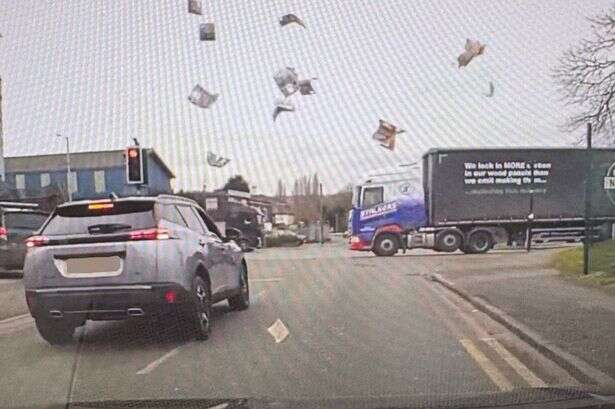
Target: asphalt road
359,326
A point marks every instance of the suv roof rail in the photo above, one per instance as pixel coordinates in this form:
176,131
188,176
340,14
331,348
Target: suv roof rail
177,198
19,204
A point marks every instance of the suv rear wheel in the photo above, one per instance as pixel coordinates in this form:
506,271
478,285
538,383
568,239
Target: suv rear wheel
241,301
55,332
201,312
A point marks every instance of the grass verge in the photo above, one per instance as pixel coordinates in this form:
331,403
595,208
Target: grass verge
570,263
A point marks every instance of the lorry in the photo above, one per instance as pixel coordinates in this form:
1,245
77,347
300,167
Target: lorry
471,199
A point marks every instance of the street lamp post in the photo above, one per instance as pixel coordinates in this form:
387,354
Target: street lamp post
587,242
322,227
68,187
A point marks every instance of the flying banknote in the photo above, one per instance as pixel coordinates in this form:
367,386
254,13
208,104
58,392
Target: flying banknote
386,134
195,7
472,49
282,105
287,81
201,97
291,18
216,160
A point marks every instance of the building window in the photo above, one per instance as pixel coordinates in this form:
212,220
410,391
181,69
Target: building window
99,181
45,179
72,182
20,181
211,203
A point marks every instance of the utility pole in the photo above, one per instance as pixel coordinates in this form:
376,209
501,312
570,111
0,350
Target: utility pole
68,186
2,170
587,243
530,220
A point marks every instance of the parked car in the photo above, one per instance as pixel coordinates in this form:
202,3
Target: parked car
283,237
18,221
152,257
238,237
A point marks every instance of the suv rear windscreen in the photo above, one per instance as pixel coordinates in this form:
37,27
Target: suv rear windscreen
99,218
24,220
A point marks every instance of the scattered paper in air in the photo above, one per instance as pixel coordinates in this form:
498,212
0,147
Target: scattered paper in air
305,87
389,143
386,134
278,331
207,32
282,105
201,97
291,18
195,7
287,81
216,160
491,90
472,49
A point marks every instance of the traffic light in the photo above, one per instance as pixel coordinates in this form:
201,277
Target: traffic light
134,165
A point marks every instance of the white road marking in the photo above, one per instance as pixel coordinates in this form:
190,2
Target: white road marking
15,318
523,371
155,364
220,406
15,324
257,297
487,366
278,331
264,280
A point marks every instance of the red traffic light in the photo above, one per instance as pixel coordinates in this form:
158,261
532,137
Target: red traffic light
134,165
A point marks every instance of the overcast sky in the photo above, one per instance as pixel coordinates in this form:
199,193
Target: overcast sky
103,72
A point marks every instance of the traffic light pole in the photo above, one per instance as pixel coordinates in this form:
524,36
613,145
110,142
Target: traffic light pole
587,243
68,187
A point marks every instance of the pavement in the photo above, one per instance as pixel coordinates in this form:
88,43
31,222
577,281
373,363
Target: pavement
12,300
578,319
358,326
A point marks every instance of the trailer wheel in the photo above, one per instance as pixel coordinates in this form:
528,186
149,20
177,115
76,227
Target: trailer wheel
479,242
386,245
448,241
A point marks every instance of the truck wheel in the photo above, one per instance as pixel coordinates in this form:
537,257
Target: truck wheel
55,332
479,242
448,241
386,245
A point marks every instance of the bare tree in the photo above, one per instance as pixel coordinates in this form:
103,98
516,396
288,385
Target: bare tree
281,191
586,76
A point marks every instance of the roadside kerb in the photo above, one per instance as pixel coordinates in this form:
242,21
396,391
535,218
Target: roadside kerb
576,367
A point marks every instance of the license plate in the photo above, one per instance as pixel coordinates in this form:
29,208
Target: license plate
107,266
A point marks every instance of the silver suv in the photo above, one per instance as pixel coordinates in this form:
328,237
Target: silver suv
158,257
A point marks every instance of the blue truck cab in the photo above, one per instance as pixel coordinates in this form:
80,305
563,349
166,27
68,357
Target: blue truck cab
387,205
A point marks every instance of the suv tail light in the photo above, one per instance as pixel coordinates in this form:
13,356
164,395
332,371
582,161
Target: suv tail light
150,234
37,241
3,233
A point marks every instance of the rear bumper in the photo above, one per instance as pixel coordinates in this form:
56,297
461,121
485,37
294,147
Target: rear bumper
105,302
